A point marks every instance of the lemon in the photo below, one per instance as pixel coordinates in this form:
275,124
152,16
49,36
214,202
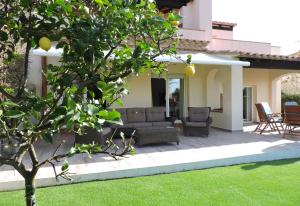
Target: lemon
85,11
45,43
190,70
175,23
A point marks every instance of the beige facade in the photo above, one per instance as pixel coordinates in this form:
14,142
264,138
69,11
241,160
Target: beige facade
266,86
203,89
220,85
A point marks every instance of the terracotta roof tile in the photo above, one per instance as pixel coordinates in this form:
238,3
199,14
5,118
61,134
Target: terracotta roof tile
254,55
223,23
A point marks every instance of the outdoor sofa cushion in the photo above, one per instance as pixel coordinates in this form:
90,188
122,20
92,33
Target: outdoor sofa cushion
162,124
155,114
136,115
91,135
196,124
198,114
140,124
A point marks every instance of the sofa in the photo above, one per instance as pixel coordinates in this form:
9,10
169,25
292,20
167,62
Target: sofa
198,121
150,125
92,136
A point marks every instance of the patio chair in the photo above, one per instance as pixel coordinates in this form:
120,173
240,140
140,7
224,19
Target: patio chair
292,103
92,136
268,119
198,122
292,119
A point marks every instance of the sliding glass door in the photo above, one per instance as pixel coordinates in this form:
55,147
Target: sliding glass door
169,93
247,104
176,97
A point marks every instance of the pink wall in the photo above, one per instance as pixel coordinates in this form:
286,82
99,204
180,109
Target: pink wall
237,45
222,34
191,34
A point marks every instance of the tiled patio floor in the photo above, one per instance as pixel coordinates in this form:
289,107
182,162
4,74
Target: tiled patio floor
219,149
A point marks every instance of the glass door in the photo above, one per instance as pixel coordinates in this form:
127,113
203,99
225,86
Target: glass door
247,104
175,97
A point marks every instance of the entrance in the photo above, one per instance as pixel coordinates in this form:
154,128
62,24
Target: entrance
169,93
247,104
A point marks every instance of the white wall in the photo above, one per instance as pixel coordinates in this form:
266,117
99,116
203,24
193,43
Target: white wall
139,88
231,117
266,86
35,73
259,79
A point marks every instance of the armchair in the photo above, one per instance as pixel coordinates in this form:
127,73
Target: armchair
198,121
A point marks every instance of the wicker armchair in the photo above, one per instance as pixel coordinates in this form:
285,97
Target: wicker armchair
93,136
198,122
292,120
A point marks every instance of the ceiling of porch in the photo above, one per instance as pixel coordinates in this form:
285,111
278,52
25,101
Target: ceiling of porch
167,5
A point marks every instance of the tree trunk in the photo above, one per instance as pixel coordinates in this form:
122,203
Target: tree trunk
30,191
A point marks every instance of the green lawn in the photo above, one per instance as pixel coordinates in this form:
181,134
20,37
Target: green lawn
270,183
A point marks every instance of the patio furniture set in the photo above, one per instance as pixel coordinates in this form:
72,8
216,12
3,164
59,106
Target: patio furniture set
288,121
151,126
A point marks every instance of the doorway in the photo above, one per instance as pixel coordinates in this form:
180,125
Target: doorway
176,97
247,104
169,93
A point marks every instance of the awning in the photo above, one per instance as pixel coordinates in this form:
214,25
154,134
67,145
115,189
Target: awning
53,52
197,58
202,58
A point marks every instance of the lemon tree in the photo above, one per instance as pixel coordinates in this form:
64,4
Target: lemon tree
90,33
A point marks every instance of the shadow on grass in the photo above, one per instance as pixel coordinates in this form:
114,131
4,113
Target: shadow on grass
256,165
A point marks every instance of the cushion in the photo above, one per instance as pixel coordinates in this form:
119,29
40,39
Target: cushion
127,125
105,131
195,124
198,114
142,124
136,115
123,114
155,114
162,124
267,108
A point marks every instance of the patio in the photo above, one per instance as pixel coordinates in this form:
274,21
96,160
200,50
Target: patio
221,148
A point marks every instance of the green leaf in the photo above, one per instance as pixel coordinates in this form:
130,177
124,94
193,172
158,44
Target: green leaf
92,109
9,104
65,166
113,115
119,102
47,137
14,114
72,151
1,112
3,36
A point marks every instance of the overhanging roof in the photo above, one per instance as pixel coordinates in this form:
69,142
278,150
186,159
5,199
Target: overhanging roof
171,4
263,61
53,52
202,58
197,58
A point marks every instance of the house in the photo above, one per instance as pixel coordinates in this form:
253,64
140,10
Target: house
231,75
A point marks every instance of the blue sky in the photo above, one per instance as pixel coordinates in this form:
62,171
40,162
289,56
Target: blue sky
273,21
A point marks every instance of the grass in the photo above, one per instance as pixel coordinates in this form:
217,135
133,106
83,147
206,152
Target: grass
269,183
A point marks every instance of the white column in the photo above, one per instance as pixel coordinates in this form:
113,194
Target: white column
232,116
276,96
236,98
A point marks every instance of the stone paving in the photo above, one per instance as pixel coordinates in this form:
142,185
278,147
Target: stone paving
221,148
